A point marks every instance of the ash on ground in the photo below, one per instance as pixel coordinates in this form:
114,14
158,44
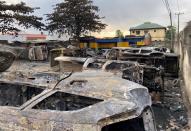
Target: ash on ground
172,114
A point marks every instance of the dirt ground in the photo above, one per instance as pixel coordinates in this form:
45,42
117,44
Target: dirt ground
171,115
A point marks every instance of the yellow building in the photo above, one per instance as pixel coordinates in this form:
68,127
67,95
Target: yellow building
156,31
108,43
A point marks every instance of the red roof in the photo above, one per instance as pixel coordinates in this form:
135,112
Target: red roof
34,36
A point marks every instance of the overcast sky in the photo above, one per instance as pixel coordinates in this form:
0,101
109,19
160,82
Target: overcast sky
123,14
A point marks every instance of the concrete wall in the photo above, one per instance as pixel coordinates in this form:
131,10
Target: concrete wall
187,71
156,34
184,50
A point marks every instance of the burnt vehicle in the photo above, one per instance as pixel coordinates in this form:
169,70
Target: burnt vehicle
102,53
87,101
159,49
69,52
69,64
148,76
93,64
169,61
36,50
7,58
128,70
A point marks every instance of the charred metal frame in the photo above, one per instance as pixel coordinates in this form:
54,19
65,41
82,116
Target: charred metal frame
6,59
169,61
110,100
149,76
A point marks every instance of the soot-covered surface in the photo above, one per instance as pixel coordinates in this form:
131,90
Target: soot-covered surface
16,95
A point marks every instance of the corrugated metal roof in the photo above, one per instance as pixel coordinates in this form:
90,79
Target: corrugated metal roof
147,25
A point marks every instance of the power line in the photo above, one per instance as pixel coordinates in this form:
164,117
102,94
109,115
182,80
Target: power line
167,5
163,2
178,5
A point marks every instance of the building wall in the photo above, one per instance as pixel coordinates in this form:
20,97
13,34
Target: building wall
156,34
115,42
106,45
123,44
184,50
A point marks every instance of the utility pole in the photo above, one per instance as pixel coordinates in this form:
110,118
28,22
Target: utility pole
178,37
166,3
171,30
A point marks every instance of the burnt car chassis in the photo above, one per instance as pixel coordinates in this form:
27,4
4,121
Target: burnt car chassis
87,101
169,61
148,76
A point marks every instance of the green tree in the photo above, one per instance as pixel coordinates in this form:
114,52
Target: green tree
14,15
75,18
119,34
170,30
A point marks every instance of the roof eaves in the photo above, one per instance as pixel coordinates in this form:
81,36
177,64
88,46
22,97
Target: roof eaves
146,28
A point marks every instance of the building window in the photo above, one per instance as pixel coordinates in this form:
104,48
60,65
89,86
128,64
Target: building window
146,31
138,32
155,31
133,32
